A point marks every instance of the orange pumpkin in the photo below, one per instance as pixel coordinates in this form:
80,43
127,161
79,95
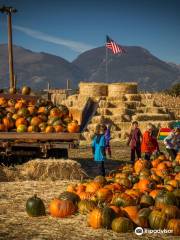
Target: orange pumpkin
21,121
8,123
2,128
3,102
143,185
35,121
154,193
140,165
73,127
92,187
49,129
104,195
20,105
55,112
61,208
71,188
86,195
131,212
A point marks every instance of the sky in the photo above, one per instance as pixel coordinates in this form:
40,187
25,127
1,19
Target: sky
67,28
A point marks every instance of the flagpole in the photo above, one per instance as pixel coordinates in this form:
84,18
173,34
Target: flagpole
106,65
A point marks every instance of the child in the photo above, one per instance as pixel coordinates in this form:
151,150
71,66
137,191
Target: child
108,138
98,148
149,143
135,141
172,143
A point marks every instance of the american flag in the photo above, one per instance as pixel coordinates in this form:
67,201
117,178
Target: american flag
116,48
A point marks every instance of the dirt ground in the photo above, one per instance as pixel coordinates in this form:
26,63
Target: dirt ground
15,224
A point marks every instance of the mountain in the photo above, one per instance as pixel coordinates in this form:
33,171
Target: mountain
37,69
137,64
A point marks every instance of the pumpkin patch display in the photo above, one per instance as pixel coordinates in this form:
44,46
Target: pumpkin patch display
38,116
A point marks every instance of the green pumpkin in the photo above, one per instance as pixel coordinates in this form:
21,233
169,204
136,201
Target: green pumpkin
23,112
133,178
124,181
35,207
177,169
108,215
122,225
123,199
146,201
21,128
85,206
165,198
171,211
157,220
70,196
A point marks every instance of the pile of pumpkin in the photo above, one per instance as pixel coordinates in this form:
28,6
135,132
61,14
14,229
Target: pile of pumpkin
35,116
145,194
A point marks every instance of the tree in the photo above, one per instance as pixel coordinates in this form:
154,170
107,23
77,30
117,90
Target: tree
174,90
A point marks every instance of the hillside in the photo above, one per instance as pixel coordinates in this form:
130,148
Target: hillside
37,69
137,64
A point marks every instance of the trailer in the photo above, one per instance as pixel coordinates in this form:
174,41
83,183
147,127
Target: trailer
39,144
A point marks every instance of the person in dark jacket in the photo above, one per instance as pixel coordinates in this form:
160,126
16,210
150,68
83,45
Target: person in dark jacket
99,149
108,138
134,141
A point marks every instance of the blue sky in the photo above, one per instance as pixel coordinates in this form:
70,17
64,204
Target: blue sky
68,28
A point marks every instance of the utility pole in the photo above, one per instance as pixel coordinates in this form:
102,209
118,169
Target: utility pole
9,11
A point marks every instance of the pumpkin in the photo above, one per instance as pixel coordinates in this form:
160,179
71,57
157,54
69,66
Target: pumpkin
145,173
122,225
61,208
80,188
11,102
101,217
170,211
21,128
8,123
154,193
87,196
124,181
140,165
20,121
71,188
64,110
20,105
2,128
123,199
59,128
174,225
55,112
33,129
23,112
165,198
131,212
69,196
3,102
104,195
115,187
35,207
92,187
157,220
73,127
101,180
49,129
117,210
174,183
42,126
145,185
35,121
86,206
32,109
155,162
146,200
26,90
178,158
142,218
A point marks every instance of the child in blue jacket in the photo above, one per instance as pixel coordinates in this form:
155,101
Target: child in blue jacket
99,149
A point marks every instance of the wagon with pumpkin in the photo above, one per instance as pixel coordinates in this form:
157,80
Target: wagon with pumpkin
35,127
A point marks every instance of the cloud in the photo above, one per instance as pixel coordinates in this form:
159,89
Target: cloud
73,45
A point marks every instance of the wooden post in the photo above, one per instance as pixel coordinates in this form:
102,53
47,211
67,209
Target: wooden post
9,11
10,51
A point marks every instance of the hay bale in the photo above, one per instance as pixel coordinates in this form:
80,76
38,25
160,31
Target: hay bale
119,89
53,169
133,97
151,117
8,174
93,89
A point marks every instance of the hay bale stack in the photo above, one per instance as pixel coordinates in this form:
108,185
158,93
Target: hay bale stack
8,174
133,97
151,117
93,89
119,89
52,169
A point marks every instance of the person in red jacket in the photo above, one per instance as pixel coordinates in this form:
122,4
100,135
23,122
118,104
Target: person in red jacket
149,142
